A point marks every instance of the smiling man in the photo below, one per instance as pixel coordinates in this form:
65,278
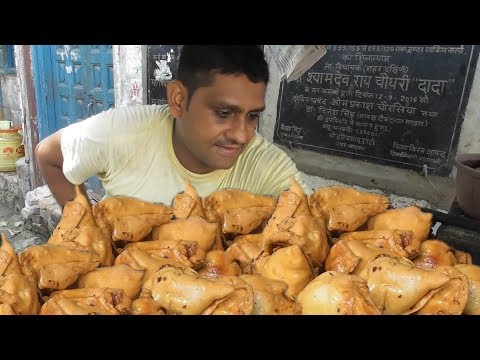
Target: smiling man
206,133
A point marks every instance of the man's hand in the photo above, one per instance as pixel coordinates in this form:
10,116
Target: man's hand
48,155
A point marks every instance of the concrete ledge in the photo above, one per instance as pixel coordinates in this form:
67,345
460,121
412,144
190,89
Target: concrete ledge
438,191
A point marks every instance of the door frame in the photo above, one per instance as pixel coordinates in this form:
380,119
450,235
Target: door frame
43,80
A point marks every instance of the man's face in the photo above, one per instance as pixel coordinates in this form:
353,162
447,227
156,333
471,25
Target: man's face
219,123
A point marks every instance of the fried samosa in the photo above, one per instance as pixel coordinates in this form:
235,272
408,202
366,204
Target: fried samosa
335,293
184,252
219,202
119,276
90,301
188,203
244,250
269,296
8,258
193,228
109,213
452,298
57,266
218,264
346,209
352,256
397,287
472,272
146,306
435,253
407,218
238,302
182,291
401,242
94,240
18,293
287,264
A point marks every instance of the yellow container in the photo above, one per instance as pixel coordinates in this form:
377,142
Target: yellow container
11,149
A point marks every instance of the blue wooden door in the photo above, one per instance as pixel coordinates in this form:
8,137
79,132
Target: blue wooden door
72,83
82,82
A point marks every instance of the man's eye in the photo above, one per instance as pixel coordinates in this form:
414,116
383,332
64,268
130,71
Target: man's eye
254,116
222,113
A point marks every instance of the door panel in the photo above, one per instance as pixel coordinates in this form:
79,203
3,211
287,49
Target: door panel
82,82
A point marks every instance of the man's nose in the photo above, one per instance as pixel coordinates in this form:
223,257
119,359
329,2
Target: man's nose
239,131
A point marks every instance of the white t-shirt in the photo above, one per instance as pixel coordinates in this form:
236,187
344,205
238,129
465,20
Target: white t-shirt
130,150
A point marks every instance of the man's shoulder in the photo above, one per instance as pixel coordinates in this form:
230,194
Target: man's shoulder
262,146
133,118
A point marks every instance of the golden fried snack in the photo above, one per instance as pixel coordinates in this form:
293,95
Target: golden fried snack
94,240
245,220
119,276
352,256
462,257
18,293
90,301
136,227
141,260
407,218
87,218
6,309
238,302
8,258
113,209
244,250
472,272
335,293
302,208
304,231
218,264
131,228
219,202
186,252
146,306
288,264
401,242
55,266
71,216
435,253
183,292
290,203
188,203
451,298
193,228
345,209
397,287
269,296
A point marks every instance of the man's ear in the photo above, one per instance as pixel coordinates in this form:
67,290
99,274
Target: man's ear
177,97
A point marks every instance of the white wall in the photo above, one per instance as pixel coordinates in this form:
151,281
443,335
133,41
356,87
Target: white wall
128,72
10,88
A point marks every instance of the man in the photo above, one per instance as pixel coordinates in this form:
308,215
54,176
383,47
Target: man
206,133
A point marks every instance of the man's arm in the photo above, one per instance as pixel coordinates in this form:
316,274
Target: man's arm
48,155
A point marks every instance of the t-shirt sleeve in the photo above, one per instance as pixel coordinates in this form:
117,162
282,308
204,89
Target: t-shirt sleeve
85,148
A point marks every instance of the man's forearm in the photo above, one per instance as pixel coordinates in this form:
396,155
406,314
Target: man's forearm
48,155
62,189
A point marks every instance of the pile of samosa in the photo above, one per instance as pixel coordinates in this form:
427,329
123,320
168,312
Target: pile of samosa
336,251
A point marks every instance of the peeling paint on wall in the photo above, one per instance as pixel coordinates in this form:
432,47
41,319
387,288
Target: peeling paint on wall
10,88
127,60
135,92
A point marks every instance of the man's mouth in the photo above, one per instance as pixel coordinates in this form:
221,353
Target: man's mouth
229,150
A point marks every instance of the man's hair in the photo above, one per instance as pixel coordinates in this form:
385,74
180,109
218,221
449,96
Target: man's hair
199,63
